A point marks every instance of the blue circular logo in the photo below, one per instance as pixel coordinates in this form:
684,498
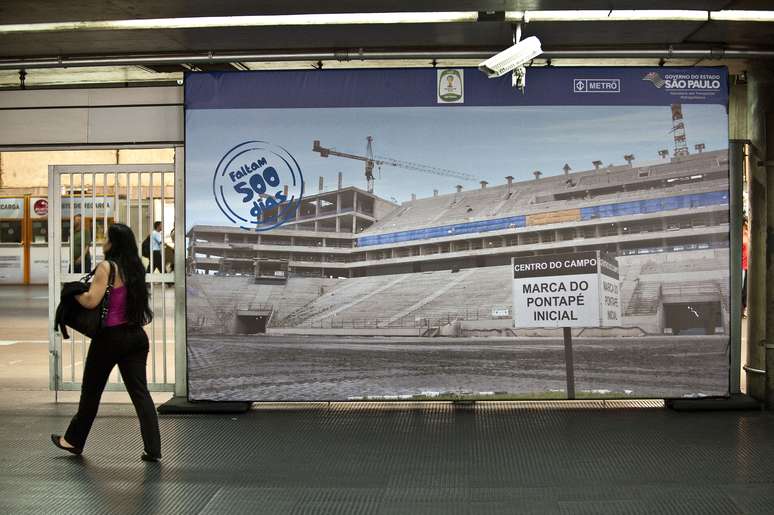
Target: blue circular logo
258,186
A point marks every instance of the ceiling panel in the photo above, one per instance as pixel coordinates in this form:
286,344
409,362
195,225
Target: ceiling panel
425,36
32,11
759,35
453,36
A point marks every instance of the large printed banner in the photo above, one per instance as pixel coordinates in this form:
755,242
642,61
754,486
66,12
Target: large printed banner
430,233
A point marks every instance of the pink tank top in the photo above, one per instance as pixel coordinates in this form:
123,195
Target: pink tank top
116,314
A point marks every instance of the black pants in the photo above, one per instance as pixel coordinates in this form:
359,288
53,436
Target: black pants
744,290
156,262
127,347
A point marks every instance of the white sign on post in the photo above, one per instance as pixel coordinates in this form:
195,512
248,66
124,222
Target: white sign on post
566,290
609,291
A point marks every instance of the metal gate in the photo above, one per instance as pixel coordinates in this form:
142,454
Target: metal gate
83,202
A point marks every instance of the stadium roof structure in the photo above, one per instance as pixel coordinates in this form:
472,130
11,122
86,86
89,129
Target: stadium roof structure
572,190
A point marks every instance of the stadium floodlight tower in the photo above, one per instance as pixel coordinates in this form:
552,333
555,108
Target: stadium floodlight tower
699,147
663,153
597,164
629,158
678,129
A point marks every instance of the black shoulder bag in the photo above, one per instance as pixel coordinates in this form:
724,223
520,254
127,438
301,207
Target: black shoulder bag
90,321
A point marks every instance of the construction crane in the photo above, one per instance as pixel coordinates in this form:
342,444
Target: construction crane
370,161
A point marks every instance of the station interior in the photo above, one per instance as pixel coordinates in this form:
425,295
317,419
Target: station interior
261,340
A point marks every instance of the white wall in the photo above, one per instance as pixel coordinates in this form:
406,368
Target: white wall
121,116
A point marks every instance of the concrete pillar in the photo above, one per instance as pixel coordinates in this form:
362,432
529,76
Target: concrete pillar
770,255
340,182
760,308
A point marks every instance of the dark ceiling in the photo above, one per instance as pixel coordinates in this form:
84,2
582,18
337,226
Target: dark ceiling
454,36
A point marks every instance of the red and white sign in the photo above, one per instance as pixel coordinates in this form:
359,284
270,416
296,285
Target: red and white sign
40,207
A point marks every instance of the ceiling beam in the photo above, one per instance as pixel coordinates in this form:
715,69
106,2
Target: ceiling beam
367,55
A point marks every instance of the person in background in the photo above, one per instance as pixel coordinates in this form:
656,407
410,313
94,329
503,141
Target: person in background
81,264
121,341
156,244
169,252
745,247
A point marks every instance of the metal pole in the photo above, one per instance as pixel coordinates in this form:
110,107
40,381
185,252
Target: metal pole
359,55
163,273
54,271
94,218
568,362
736,184
151,230
181,371
104,207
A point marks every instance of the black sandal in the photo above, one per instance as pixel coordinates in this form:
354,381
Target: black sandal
73,450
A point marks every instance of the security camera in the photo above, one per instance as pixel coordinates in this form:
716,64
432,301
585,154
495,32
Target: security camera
512,58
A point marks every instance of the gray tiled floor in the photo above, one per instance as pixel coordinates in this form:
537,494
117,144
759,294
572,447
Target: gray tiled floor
433,458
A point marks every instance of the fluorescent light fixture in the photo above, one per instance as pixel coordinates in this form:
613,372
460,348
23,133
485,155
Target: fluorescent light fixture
608,15
282,20
732,15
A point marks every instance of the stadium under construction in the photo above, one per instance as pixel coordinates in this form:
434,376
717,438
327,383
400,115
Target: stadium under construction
439,265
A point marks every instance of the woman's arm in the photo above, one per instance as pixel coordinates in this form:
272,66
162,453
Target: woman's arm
99,282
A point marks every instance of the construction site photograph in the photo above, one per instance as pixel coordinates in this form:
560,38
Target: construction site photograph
391,277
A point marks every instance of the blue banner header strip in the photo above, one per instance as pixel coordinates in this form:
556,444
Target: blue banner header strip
417,87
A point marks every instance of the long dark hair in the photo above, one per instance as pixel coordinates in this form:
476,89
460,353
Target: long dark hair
123,251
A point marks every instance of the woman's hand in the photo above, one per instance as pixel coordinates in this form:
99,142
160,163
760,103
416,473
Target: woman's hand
99,283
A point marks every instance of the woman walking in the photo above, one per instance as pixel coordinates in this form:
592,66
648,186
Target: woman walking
121,341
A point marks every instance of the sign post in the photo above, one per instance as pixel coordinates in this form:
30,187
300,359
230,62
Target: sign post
566,290
568,362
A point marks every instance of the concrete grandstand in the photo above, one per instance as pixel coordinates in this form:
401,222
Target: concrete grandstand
353,263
